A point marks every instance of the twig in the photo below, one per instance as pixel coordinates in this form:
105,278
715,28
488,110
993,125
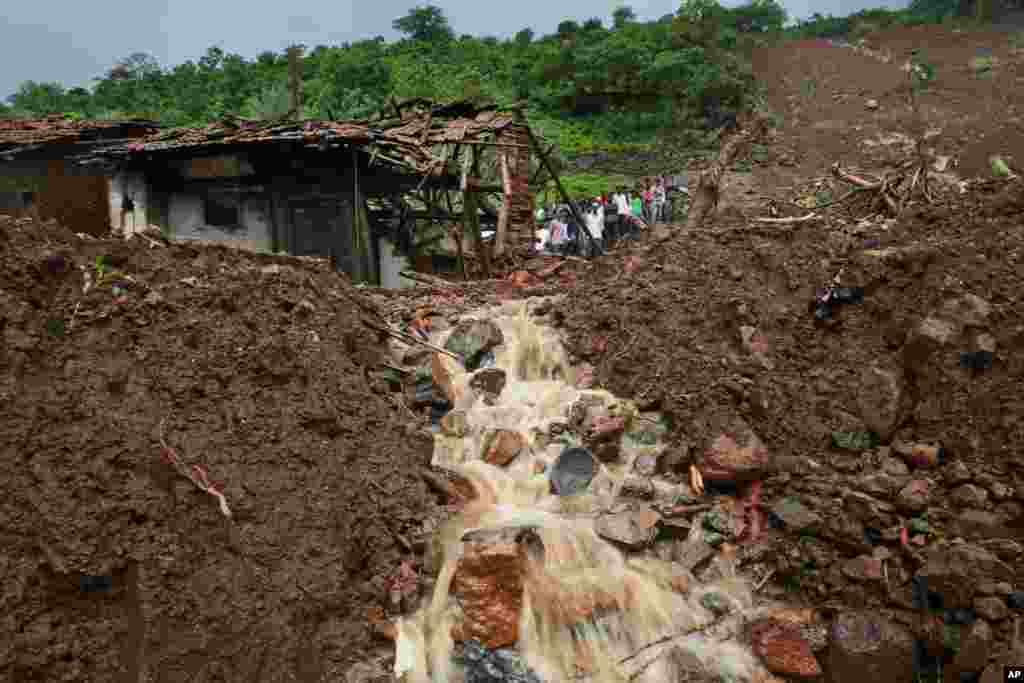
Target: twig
197,475
791,220
762,582
410,339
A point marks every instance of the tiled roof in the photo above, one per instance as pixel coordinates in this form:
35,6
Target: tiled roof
16,133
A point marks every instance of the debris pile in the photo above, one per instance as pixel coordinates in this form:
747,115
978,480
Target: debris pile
145,389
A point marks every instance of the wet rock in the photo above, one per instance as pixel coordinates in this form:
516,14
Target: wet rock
881,400
868,647
635,486
573,471
502,446
503,665
635,528
955,571
472,339
894,466
938,331
863,568
690,554
454,424
915,496
735,454
795,516
488,584
992,608
716,603
1003,548
1001,491
680,666
444,369
784,650
969,496
489,382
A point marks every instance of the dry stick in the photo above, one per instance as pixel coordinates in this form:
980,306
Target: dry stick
794,219
402,336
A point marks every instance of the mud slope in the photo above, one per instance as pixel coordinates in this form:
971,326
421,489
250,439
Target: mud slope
665,325
116,567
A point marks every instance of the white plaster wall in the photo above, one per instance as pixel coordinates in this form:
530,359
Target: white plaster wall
390,263
186,222
127,182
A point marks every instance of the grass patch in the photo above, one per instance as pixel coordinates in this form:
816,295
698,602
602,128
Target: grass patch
983,66
579,185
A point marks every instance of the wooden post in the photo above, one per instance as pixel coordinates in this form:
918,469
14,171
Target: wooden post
506,202
558,184
471,201
295,82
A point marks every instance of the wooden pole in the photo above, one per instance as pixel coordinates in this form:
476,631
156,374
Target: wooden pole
473,215
295,82
506,201
558,184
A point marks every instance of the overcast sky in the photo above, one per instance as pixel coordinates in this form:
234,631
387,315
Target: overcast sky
73,42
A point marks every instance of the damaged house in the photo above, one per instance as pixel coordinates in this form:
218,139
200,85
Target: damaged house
420,188
38,175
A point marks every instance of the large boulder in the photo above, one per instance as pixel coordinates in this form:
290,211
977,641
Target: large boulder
488,585
734,454
868,647
955,572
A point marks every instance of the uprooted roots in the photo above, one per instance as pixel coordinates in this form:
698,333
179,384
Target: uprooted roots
892,192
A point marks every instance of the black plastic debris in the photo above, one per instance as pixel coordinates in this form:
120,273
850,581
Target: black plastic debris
721,488
977,360
924,663
573,471
960,616
827,300
1016,600
493,666
872,536
775,522
96,584
924,598
970,676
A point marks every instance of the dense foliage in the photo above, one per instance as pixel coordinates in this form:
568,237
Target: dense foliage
586,85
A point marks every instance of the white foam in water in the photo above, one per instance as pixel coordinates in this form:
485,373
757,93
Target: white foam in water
640,609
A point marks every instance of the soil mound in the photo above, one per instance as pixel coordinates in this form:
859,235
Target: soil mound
116,566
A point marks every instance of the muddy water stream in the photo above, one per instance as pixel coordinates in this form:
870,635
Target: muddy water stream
589,611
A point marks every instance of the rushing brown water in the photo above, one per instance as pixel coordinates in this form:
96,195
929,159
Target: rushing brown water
643,610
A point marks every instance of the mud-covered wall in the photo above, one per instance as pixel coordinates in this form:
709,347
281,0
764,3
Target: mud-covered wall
74,196
186,220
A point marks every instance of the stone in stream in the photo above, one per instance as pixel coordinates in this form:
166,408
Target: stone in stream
735,454
502,446
489,383
783,649
635,528
472,339
868,647
488,584
503,665
573,471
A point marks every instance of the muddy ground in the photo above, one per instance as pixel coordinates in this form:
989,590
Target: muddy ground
119,569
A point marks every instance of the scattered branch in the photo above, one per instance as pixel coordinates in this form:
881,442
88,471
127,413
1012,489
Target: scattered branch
785,221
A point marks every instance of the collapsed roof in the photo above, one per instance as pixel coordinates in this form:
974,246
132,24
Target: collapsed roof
22,135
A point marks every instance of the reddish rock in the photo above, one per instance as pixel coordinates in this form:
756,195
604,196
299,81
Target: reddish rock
784,650
736,454
488,583
604,428
864,568
915,496
503,447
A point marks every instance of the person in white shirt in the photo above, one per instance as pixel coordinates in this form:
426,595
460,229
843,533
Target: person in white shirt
594,218
622,202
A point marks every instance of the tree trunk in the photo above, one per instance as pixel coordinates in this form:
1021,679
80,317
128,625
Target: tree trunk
705,197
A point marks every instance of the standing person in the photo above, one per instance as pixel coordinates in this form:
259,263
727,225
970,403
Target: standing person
638,206
658,200
595,224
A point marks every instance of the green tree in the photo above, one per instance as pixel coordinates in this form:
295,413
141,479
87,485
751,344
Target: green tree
38,99
622,16
426,23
